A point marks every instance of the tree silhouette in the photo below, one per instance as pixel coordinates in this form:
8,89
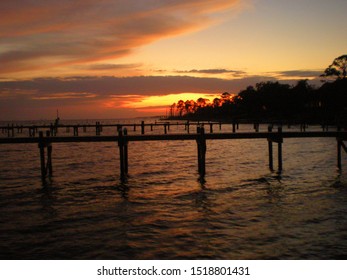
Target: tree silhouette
202,102
338,68
216,102
180,107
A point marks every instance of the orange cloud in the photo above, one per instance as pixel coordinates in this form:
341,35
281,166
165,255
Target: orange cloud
39,35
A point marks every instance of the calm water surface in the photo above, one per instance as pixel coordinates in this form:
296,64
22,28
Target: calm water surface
241,210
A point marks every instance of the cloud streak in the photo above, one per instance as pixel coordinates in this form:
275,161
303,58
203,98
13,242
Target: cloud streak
36,35
215,71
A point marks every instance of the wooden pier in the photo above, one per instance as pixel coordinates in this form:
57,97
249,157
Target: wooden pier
45,143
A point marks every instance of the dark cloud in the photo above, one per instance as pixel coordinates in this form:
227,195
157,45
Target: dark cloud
300,73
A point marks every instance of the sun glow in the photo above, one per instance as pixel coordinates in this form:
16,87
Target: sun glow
165,100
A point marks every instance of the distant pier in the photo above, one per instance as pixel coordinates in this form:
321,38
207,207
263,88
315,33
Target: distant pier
45,136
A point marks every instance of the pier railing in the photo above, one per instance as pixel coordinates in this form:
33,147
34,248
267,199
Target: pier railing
45,143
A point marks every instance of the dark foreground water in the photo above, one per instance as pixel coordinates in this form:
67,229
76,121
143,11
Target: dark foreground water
241,211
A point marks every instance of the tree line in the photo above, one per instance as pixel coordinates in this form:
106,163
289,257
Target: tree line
275,101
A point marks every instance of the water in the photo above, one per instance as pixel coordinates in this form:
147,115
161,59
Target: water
241,210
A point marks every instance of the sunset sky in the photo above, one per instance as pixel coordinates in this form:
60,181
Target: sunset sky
131,58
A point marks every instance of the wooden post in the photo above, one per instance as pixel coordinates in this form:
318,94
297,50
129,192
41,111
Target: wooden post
142,127
256,127
201,142
97,128
280,167
198,148
280,149
51,129
56,126
211,127
234,127
165,129
121,155
42,155
220,125
49,156
125,133
339,146
271,162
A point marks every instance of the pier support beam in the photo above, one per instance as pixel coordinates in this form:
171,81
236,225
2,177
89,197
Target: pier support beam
46,166
201,142
280,166
186,126
125,147
340,145
123,154
75,130
142,127
271,162
98,128
277,138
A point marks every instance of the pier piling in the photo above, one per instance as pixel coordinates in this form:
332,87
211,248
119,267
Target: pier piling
271,162
125,133
234,127
201,142
123,154
49,155
46,166
75,130
340,145
142,127
279,140
42,156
